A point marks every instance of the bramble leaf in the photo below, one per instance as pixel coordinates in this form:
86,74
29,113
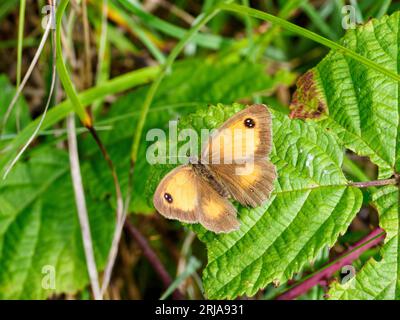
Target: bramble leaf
309,208
362,107
378,279
40,235
359,104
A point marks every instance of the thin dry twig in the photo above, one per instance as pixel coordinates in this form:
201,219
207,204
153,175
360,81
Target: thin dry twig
28,74
120,213
112,255
117,236
81,207
53,81
374,183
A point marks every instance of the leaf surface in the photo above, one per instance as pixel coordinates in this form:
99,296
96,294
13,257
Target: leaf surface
362,107
39,230
309,208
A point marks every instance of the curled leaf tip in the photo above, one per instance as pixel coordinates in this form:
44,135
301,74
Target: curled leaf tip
308,101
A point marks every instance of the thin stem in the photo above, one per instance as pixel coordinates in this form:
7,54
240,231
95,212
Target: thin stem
249,27
112,256
152,257
117,235
374,238
191,267
139,32
383,8
103,55
103,38
352,168
63,73
359,17
106,156
43,116
184,260
27,75
374,183
178,12
21,26
86,33
308,34
263,41
81,207
317,20
210,41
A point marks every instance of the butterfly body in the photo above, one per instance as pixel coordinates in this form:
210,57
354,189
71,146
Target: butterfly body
231,165
203,171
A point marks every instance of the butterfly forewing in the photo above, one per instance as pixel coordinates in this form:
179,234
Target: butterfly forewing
247,173
246,135
250,184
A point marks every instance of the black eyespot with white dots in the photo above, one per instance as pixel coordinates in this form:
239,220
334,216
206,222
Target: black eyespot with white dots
168,197
249,123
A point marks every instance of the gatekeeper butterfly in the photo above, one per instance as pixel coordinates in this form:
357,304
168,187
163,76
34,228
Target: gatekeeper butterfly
231,165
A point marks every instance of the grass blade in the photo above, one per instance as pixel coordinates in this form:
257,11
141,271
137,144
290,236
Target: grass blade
191,268
308,34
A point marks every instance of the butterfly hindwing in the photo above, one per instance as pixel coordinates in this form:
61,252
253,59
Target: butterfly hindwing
216,213
250,184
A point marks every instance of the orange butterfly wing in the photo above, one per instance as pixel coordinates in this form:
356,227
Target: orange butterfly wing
184,196
247,174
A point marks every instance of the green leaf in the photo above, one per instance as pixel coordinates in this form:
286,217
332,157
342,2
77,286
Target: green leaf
362,107
40,232
360,104
378,279
309,208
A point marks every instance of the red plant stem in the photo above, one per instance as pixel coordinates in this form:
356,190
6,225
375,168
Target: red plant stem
374,183
151,256
329,269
